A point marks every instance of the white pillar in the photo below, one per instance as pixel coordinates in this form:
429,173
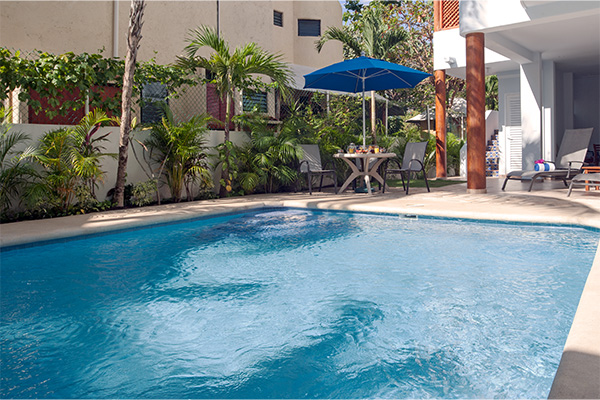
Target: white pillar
115,31
531,110
568,100
548,110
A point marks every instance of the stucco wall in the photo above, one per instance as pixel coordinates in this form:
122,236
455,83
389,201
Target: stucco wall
56,26
87,26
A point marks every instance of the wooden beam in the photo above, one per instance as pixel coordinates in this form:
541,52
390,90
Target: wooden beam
475,113
440,124
437,15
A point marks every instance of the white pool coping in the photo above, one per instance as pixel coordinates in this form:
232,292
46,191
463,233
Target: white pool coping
578,374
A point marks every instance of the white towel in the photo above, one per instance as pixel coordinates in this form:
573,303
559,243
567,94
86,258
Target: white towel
544,167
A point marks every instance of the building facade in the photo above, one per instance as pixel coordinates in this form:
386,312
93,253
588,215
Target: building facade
546,55
289,28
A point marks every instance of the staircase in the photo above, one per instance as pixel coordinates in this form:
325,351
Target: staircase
492,156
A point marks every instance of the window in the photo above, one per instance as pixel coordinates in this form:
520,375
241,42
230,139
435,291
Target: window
153,95
254,100
277,18
309,27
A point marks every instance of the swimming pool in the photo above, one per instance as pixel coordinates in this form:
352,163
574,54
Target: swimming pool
293,304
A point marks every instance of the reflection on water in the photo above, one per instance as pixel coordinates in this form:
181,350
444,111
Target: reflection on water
293,304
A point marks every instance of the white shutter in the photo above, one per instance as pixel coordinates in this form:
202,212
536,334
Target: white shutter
514,132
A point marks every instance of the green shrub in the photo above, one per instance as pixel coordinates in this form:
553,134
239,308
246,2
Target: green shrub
143,193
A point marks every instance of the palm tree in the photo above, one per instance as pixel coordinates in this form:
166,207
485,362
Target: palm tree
133,43
233,70
373,39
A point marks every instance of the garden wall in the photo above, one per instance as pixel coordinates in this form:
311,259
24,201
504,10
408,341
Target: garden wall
135,173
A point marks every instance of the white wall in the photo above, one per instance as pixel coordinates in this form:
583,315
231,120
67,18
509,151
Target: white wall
477,15
586,104
135,173
492,122
449,52
508,83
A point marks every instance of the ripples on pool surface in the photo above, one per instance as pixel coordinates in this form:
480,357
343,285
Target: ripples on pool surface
293,304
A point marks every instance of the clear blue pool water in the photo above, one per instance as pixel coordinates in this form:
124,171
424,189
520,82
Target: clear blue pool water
293,304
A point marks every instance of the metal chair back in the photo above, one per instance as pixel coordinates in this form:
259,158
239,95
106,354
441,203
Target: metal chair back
414,151
573,147
312,156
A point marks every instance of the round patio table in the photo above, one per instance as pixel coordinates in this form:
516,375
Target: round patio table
367,170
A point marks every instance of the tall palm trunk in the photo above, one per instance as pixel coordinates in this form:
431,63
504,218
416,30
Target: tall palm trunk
133,43
373,117
223,190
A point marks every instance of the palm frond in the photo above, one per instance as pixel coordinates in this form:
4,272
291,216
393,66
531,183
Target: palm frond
205,36
341,35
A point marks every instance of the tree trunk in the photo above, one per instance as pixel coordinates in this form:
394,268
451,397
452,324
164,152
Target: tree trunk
373,117
225,189
133,43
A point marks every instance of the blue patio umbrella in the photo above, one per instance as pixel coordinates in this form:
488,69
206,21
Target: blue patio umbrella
363,74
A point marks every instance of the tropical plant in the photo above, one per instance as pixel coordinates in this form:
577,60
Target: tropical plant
178,149
69,157
15,173
229,71
50,76
272,155
372,37
134,35
491,92
335,129
142,193
91,148
227,159
84,75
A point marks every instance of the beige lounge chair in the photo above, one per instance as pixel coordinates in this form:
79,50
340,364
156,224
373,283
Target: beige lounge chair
569,159
592,179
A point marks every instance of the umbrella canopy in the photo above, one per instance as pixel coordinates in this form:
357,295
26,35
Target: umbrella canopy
362,74
349,75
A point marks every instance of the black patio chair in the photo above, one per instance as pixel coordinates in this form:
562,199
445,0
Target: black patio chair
413,161
311,165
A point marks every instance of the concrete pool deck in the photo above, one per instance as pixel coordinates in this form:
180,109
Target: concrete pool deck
578,375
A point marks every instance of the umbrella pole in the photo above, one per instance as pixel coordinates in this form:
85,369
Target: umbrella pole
363,106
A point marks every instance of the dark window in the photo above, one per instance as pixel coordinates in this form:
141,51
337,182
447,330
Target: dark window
256,100
309,27
154,95
277,18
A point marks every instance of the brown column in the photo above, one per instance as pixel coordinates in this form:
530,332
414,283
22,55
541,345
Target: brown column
437,15
475,113
440,123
